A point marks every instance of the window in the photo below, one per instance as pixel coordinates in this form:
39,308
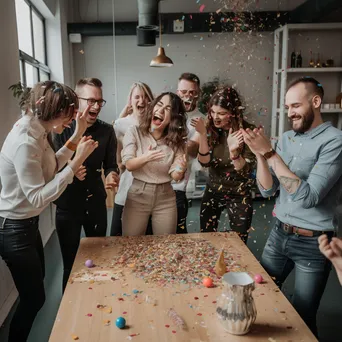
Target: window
32,47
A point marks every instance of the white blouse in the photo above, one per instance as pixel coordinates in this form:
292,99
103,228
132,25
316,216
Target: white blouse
126,179
28,170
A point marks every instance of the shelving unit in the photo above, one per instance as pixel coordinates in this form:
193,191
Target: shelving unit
281,71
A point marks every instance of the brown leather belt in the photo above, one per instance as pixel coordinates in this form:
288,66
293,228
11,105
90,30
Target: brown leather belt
289,229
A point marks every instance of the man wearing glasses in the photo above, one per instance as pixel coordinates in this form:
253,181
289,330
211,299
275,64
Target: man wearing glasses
83,203
188,90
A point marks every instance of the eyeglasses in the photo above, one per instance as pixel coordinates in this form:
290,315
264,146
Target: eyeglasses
91,102
189,92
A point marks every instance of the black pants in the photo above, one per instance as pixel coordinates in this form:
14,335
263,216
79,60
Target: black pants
182,211
239,208
22,249
69,226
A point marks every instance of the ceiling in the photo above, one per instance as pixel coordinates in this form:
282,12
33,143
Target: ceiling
126,10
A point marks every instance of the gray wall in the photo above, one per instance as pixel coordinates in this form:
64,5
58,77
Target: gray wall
244,60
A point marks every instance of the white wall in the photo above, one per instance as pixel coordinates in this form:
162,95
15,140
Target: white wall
58,60
9,112
237,58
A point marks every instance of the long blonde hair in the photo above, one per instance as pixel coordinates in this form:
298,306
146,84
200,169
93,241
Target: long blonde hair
145,89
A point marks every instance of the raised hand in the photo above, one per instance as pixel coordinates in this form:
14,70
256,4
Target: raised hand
234,140
199,125
81,123
85,148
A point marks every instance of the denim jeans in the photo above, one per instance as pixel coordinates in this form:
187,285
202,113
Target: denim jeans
282,253
22,249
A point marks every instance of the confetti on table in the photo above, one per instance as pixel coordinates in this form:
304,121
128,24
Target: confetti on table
75,337
176,319
156,261
105,308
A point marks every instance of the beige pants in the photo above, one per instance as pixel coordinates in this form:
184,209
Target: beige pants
145,199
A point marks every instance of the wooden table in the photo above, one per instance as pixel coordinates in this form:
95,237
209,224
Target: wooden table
145,312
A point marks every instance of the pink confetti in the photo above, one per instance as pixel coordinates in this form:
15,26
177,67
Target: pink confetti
199,314
124,313
202,7
167,326
89,315
174,331
196,298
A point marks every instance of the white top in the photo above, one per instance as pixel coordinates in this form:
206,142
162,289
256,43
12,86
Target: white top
121,126
28,167
193,164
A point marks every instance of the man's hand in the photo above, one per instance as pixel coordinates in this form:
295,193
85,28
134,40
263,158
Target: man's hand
112,181
256,140
81,173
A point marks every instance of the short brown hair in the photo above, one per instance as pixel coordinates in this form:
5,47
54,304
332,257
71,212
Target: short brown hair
91,81
51,100
312,85
188,76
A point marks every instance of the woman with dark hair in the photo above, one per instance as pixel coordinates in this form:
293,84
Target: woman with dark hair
230,163
30,182
155,154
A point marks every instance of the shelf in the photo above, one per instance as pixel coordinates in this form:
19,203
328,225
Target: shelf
309,70
331,110
339,110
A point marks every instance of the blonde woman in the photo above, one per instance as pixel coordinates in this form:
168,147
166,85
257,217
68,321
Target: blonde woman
140,96
30,182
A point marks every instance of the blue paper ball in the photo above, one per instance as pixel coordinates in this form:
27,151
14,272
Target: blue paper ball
120,322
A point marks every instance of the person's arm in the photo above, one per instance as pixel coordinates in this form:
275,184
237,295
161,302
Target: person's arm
267,182
109,162
178,167
129,152
203,148
27,162
322,177
119,137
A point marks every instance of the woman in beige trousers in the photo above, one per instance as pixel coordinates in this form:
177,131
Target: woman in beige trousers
155,154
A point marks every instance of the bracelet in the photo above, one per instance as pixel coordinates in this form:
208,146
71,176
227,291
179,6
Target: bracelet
203,154
235,158
70,145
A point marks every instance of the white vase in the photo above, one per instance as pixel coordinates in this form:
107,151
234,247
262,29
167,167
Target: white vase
235,307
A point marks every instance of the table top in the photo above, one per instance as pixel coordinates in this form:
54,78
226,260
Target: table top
134,278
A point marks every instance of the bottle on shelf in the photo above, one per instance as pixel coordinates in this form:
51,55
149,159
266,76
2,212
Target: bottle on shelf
311,63
299,60
318,63
293,59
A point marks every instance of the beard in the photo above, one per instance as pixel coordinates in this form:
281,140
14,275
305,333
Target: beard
307,120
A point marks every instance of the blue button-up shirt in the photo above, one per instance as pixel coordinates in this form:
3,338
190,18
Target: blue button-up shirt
316,158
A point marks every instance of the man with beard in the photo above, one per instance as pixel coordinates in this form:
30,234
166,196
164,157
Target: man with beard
83,203
307,169
188,90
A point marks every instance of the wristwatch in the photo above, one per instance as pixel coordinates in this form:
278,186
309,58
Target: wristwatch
269,154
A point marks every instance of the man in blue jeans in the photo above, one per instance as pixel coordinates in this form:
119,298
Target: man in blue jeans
307,169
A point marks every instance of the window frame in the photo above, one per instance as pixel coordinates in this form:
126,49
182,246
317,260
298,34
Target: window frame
26,58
